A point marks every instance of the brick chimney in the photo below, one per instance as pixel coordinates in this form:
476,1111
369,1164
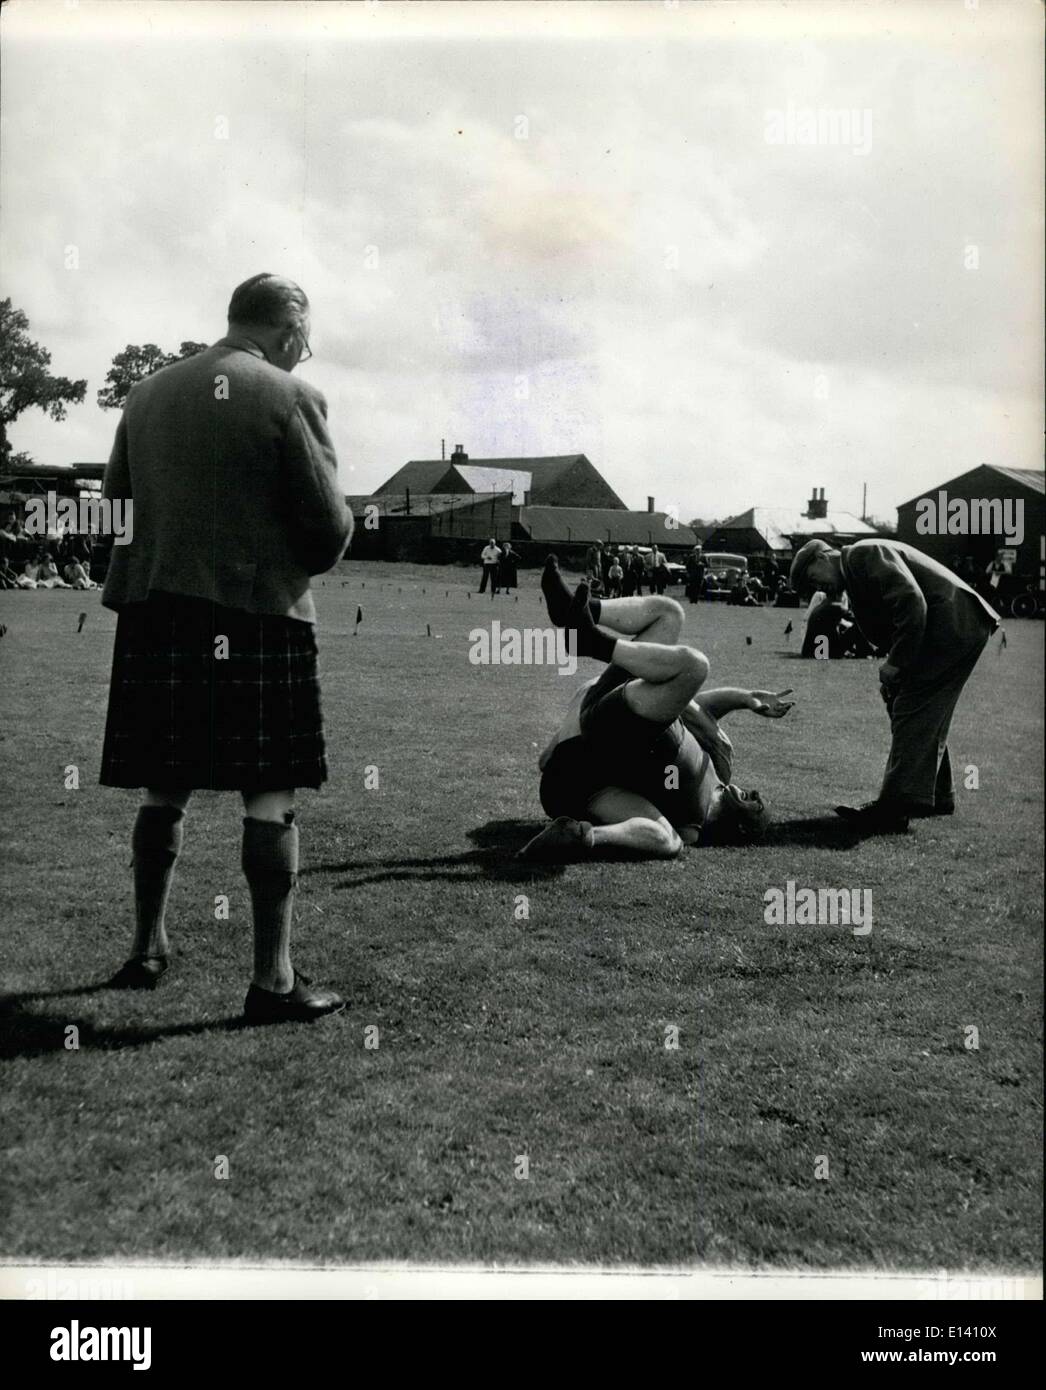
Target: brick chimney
650,504
817,507
459,455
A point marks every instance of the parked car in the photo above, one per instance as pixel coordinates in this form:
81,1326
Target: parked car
724,571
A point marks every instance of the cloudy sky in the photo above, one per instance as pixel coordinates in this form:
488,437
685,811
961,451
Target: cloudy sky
545,229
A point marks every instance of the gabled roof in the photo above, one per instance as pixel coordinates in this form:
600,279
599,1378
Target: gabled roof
419,475
777,525
425,475
481,479
421,503
1031,478
583,525
1034,478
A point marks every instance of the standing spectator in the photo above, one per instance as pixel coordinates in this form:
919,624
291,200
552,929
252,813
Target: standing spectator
695,574
508,574
491,558
615,577
594,561
214,682
661,575
637,568
628,581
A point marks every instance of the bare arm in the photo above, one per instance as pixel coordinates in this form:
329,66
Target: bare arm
718,703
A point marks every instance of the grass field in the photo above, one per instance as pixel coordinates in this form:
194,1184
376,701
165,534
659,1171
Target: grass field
542,1037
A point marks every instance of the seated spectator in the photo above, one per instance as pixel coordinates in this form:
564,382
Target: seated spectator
77,577
44,570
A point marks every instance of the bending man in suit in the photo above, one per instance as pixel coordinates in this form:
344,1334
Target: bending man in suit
933,628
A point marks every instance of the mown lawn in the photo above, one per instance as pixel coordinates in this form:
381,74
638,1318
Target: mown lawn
501,1036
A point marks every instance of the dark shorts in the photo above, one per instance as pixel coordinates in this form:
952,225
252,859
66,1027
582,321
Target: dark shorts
181,718
619,748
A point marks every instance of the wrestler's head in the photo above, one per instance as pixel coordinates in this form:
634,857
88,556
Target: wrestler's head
735,817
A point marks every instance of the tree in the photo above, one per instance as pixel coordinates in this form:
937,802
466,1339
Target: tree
135,364
25,380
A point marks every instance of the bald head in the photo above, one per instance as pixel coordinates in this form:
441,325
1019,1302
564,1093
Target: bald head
816,566
268,301
274,313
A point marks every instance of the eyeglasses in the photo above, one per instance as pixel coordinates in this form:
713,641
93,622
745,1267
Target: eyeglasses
307,353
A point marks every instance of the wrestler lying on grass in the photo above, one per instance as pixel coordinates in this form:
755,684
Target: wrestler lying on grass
640,763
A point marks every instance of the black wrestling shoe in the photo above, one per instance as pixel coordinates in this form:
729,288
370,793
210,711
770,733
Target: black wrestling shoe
589,639
565,839
140,972
302,1004
876,818
558,596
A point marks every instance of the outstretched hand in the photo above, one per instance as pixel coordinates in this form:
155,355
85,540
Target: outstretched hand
771,706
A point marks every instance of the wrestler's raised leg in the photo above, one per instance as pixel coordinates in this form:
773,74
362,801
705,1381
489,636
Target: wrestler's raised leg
658,618
651,618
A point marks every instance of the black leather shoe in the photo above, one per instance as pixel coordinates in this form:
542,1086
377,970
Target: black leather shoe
875,818
140,972
939,808
302,1004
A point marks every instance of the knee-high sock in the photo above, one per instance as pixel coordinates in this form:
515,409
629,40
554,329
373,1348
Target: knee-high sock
558,595
156,842
270,865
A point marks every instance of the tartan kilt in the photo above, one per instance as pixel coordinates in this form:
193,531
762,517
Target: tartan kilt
181,718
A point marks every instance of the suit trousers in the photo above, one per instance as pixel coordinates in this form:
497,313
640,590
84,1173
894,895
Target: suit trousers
918,770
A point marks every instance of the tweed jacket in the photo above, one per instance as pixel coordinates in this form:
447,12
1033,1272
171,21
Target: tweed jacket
234,484
918,611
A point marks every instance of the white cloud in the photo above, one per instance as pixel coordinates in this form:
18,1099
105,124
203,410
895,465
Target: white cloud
668,286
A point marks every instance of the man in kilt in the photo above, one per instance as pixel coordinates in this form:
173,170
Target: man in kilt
233,478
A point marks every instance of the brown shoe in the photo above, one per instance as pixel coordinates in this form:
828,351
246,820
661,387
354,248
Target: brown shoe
302,1004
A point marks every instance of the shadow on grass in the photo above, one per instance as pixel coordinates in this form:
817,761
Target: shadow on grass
24,1033
824,832
497,845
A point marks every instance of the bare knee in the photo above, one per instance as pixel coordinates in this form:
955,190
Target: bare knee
668,608
693,665
157,797
670,842
271,806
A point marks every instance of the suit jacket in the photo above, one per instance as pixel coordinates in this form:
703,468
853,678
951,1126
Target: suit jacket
235,487
907,604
